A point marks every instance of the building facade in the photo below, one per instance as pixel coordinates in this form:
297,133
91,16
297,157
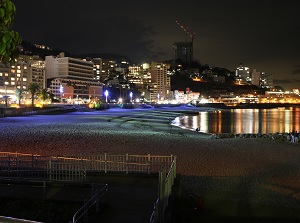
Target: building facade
183,51
13,76
160,81
70,78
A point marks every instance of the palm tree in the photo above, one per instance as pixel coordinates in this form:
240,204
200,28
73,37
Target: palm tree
33,89
44,95
18,93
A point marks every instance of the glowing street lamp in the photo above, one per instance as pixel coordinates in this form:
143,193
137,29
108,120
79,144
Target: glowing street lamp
61,91
131,96
106,94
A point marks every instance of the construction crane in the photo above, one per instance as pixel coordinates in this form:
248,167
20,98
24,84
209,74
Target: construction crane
187,32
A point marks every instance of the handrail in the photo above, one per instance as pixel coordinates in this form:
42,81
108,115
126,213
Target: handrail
85,208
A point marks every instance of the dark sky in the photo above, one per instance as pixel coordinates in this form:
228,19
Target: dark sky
260,34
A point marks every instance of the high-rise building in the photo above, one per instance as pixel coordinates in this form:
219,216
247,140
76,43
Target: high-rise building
36,69
262,79
266,80
183,51
242,75
97,68
256,75
160,80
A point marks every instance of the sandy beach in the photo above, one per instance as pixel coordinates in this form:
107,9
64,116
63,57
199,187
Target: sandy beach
259,176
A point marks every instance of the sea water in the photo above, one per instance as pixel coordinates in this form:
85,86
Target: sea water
247,121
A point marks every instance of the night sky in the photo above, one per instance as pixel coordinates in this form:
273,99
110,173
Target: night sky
259,34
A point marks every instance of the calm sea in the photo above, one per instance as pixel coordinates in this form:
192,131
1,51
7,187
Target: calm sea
243,121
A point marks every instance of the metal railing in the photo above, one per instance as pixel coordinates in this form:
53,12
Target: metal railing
166,182
93,201
75,168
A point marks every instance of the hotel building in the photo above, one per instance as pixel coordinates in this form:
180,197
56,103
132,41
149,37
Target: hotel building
71,78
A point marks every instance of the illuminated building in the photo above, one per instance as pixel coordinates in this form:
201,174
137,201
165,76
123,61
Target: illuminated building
160,79
74,74
242,75
266,80
12,77
97,68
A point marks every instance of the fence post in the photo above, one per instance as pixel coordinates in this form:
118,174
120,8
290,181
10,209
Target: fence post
149,164
50,171
105,164
126,163
160,194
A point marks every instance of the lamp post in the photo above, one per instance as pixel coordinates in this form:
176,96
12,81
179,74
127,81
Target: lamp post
131,96
120,95
106,94
61,91
6,97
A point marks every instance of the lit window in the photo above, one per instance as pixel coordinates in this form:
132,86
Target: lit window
6,83
24,79
12,79
18,75
18,71
0,74
13,83
6,74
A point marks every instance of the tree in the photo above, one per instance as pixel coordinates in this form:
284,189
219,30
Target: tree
44,95
18,93
9,39
33,89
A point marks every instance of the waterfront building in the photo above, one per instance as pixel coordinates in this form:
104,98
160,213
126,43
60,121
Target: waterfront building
13,76
160,81
71,78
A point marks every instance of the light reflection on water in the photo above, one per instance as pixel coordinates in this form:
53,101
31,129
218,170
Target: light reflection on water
244,121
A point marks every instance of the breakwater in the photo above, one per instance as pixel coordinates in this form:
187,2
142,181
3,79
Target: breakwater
272,136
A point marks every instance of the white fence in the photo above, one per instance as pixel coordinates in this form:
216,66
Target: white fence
75,168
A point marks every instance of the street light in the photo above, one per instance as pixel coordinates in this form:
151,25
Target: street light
61,91
106,94
131,96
